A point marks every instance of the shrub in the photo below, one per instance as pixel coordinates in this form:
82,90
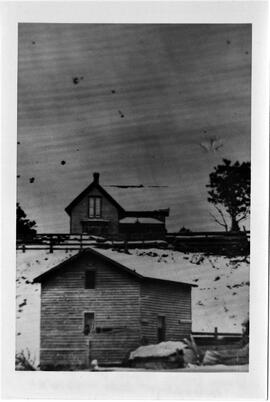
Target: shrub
24,361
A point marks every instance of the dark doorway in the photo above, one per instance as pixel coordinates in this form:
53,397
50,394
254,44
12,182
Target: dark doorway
88,329
88,323
96,227
161,328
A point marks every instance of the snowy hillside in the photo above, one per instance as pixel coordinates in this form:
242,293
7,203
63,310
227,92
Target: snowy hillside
220,300
222,297
29,265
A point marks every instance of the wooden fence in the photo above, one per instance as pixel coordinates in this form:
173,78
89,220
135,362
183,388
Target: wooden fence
209,234
56,241
67,241
217,335
213,339
215,242
219,243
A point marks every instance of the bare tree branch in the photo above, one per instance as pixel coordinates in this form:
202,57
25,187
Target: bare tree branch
244,216
224,224
215,219
222,216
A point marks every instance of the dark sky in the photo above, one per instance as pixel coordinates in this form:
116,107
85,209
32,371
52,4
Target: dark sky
141,104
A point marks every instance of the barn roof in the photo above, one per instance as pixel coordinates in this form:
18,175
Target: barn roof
125,262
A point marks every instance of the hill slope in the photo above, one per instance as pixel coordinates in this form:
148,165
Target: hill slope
221,299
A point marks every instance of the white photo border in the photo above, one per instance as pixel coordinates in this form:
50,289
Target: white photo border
141,385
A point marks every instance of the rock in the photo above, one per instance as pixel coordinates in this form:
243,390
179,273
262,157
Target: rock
162,349
211,358
191,366
228,357
189,356
20,367
94,365
165,355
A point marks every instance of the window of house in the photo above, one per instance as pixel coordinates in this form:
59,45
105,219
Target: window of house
94,207
88,324
90,279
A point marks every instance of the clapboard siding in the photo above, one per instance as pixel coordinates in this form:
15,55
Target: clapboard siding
174,302
115,302
63,359
125,306
80,212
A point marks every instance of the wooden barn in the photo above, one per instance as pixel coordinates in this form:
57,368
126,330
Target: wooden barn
122,211
96,305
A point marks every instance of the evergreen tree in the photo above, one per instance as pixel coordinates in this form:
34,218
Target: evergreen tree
25,227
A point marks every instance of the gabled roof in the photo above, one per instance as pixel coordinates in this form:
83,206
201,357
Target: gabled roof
116,262
135,198
86,191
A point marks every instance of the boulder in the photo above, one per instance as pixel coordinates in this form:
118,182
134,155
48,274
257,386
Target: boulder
211,358
227,357
164,355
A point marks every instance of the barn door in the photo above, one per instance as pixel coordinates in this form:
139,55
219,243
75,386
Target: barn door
161,328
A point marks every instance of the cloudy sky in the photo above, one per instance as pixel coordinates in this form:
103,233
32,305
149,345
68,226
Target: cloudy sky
141,104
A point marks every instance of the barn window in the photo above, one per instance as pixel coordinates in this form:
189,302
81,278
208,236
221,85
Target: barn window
88,326
90,279
94,207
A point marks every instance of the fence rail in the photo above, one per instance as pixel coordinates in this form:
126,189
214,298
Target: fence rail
67,241
207,234
218,243
182,241
217,334
220,339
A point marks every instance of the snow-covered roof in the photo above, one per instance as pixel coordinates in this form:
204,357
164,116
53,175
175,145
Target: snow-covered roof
140,220
148,268
131,263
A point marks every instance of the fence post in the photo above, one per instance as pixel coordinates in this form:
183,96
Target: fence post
216,333
81,239
51,244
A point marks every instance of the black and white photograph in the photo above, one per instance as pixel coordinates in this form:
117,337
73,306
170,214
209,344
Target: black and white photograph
137,206
133,197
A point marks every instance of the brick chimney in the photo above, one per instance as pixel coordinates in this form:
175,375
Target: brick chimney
96,177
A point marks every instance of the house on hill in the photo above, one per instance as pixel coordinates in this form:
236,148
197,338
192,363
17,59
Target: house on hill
102,305
130,212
